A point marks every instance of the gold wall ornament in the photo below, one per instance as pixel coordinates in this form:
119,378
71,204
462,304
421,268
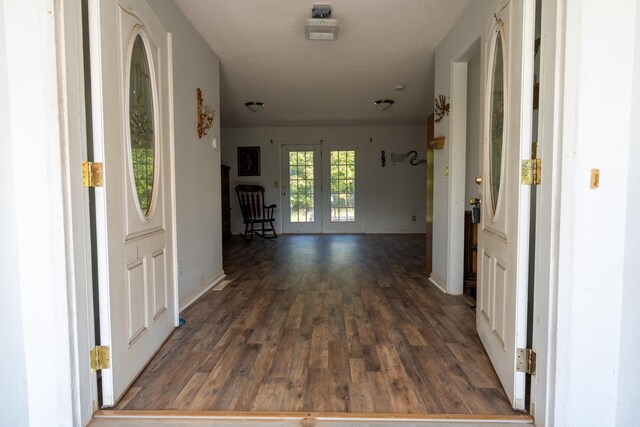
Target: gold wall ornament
205,115
442,107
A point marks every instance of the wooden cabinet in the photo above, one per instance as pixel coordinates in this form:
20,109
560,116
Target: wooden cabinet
226,202
470,255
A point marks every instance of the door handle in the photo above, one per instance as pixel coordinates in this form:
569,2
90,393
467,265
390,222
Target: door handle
479,179
475,209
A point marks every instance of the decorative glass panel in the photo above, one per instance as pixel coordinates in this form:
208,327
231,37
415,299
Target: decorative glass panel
301,181
343,186
497,121
141,124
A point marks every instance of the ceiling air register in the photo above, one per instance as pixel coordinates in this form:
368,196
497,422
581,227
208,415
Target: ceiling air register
321,26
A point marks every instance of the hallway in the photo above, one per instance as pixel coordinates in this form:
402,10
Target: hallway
324,323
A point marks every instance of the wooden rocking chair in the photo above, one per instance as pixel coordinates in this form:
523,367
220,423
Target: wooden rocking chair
254,211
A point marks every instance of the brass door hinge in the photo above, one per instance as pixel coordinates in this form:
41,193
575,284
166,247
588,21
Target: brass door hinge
526,361
531,172
92,174
100,358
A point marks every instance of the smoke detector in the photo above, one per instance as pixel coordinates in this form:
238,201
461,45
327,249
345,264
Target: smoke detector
320,26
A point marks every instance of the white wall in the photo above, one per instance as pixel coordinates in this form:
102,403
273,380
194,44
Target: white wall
13,369
597,374
197,162
460,39
393,193
473,128
34,267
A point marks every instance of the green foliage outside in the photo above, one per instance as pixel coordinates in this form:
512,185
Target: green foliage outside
142,161
497,121
301,182
301,178
343,172
141,125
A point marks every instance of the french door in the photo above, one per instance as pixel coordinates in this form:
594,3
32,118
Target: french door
301,189
323,188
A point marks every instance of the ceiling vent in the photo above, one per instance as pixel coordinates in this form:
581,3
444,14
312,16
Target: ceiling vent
320,26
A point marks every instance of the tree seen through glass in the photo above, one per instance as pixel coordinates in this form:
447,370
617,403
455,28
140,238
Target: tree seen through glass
301,184
141,125
343,185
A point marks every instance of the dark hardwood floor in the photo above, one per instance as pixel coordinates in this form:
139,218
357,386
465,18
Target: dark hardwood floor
324,323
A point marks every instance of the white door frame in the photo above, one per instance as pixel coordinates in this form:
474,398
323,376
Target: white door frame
71,93
457,164
551,121
69,51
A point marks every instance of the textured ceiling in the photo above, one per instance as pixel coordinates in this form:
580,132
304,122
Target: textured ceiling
264,56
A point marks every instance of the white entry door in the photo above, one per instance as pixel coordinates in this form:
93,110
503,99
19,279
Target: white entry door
131,101
322,188
503,239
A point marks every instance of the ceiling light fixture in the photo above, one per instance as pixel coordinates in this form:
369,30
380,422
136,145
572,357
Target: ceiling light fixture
383,104
320,27
255,106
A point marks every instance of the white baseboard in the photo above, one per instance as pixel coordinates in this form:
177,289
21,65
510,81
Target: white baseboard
192,296
438,281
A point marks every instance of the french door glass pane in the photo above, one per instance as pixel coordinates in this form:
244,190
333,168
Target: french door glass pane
301,180
343,179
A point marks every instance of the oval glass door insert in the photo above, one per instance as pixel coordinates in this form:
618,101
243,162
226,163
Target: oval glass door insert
141,125
497,121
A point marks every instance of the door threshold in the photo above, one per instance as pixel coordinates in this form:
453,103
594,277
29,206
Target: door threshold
305,419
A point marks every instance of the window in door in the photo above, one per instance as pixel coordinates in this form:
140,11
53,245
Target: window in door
301,186
301,211
343,185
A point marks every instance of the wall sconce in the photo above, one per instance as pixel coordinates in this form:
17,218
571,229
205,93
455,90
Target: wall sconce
205,115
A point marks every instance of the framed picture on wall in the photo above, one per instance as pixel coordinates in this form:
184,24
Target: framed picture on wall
248,161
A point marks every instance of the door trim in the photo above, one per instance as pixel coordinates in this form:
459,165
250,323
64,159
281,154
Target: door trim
251,416
552,95
457,163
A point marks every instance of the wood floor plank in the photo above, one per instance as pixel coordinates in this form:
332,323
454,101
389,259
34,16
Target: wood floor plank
380,392
324,323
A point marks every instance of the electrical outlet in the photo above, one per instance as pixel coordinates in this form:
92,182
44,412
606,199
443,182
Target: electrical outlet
180,268
413,218
275,184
